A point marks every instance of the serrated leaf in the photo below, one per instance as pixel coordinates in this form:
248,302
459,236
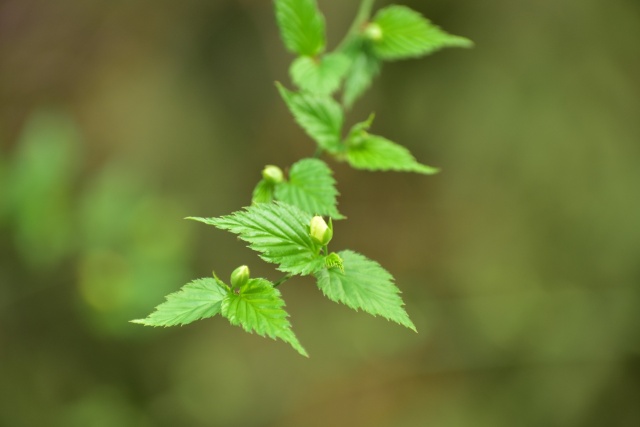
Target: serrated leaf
375,153
278,231
364,285
310,187
199,299
364,68
257,307
320,76
263,193
319,115
405,33
301,26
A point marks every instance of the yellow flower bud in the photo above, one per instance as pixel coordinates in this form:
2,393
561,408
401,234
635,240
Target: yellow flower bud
373,32
273,174
320,231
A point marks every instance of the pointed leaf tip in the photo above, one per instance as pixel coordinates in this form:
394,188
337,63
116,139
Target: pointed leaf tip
404,33
199,299
364,285
258,307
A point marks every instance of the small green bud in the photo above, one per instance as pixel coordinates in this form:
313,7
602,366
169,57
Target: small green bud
240,276
333,260
358,138
320,231
373,32
273,174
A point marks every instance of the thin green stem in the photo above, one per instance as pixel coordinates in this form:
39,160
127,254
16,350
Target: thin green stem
364,12
282,280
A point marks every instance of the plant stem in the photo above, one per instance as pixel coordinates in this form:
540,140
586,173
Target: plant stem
364,12
282,280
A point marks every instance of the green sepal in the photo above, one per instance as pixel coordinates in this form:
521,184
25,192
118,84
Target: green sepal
364,285
263,192
359,131
258,307
319,231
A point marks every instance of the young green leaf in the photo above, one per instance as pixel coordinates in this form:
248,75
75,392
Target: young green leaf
364,68
257,307
319,115
279,231
404,33
364,285
375,153
199,299
301,26
263,193
310,187
321,76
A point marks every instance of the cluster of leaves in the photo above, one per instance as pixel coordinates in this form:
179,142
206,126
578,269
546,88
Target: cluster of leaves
284,223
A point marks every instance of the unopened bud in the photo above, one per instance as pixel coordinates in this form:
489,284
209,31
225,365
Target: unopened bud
373,31
240,276
273,174
320,231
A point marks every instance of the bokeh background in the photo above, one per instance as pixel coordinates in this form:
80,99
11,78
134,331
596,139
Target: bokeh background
519,262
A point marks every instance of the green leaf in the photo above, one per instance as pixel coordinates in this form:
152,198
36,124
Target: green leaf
310,187
407,34
257,307
301,26
263,193
279,231
375,153
319,115
199,299
320,76
364,68
364,285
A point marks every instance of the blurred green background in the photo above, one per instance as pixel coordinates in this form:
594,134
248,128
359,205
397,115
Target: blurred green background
519,262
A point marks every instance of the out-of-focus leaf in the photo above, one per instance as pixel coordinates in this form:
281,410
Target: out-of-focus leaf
375,153
310,187
301,26
364,68
39,187
320,76
263,192
319,115
404,33
134,248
